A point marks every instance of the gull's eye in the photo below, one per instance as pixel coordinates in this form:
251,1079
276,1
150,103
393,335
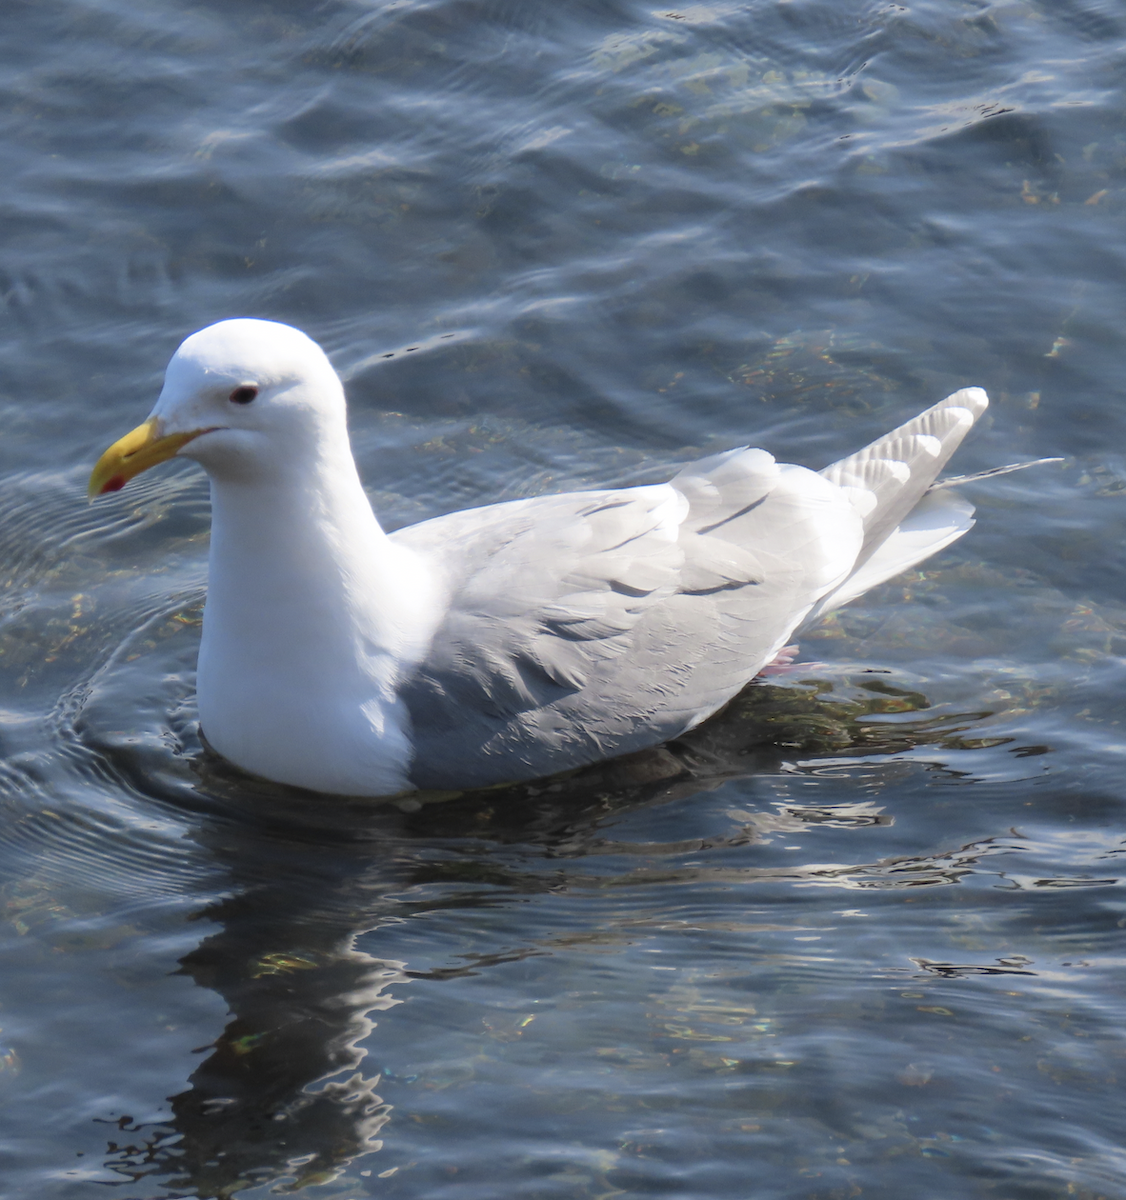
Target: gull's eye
244,394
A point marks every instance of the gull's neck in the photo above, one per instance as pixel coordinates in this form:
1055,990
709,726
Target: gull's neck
312,616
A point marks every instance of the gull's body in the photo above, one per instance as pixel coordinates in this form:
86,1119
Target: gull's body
509,641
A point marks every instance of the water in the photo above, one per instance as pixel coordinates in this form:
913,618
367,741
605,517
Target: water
863,936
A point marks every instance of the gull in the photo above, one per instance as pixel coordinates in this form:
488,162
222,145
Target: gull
514,640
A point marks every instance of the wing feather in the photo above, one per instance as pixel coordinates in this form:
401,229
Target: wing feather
890,476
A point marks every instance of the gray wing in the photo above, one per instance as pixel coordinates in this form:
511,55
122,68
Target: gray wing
588,625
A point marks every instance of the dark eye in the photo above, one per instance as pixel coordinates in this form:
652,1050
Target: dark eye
244,394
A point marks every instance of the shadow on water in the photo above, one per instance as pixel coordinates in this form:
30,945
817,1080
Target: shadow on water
281,1096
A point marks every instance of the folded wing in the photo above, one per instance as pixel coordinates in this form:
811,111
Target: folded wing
587,625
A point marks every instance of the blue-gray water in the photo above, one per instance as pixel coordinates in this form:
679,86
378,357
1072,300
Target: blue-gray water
864,937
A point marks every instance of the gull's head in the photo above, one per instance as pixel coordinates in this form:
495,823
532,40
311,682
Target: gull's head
244,398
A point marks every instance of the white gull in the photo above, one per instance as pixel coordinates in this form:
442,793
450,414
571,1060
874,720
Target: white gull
509,641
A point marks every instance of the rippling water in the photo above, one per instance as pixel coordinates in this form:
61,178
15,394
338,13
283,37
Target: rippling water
860,937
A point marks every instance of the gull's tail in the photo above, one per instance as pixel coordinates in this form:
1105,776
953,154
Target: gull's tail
891,485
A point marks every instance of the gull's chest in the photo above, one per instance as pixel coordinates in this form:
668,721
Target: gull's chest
328,723
299,685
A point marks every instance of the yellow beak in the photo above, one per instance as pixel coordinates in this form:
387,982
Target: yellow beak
138,450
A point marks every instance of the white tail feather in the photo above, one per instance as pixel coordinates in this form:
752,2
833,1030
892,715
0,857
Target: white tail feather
937,520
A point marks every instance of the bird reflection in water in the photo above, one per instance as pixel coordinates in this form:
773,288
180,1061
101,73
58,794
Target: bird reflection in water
282,1097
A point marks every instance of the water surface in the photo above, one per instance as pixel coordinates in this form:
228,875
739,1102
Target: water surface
860,937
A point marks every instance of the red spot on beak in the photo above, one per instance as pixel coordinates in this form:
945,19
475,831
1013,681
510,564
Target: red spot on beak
113,485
